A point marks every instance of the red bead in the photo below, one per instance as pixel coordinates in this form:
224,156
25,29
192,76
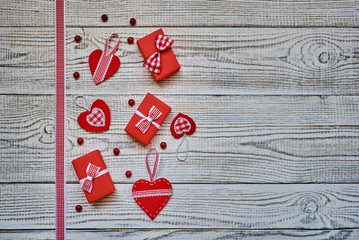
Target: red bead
78,208
76,75
163,145
80,141
133,21
78,38
130,40
116,151
128,174
104,17
131,102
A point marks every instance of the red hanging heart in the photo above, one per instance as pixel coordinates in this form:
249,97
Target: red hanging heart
94,60
182,124
97,119
152,197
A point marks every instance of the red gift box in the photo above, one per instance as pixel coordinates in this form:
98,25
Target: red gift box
148,118
102,184
169,61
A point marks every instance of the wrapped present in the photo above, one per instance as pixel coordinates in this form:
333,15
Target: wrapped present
93,175
148,119
159,57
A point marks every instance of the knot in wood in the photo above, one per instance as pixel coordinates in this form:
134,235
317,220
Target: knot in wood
49,128
324,57
310,206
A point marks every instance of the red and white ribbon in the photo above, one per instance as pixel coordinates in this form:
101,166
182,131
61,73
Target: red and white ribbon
92,171
152,193
153,62
152,174
105,60
60,76
144,124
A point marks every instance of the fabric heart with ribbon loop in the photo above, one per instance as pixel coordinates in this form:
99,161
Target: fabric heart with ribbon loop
182,125
152,196
95,119
103,64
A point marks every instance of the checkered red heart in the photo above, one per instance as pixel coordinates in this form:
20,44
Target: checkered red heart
182,124
97,119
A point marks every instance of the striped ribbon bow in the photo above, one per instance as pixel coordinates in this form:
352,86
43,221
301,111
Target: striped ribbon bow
144,124
153,62
92,172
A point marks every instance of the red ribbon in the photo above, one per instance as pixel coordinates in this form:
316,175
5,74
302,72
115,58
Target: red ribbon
105,60
153,62
91,172
144,124
152,175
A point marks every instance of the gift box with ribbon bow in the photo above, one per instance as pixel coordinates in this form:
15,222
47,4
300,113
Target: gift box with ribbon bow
95,180
159,57
148,119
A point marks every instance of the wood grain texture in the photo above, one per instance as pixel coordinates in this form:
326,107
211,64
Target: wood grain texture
27,206
228,61
27,60
286,13
240,139
179,234
193,206
27,137
219,61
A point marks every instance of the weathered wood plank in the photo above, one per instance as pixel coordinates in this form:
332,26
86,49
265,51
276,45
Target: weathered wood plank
186,13
27,59
28,13
27,206
240,139
27,138
176,234
229,61
215,60
230,206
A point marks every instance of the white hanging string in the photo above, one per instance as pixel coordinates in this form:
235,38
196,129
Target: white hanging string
184,139
85,105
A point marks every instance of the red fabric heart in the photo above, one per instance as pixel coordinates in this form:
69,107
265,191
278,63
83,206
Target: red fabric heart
97,119
182,124
94,59
152,197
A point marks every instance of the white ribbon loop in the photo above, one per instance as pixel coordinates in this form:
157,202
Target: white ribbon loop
184,139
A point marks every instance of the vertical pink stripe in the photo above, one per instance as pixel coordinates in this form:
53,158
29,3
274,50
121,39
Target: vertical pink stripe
60,117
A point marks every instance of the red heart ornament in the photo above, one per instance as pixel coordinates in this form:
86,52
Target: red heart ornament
97,119
182,124
152,197
94,60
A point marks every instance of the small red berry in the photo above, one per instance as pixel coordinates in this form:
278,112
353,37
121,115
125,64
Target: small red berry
78,38
78,208
128,174
116,151
130,40
132,21
76,75
163,145
131,102
104,18
80,141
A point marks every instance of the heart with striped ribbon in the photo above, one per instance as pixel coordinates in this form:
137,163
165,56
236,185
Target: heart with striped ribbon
152,196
